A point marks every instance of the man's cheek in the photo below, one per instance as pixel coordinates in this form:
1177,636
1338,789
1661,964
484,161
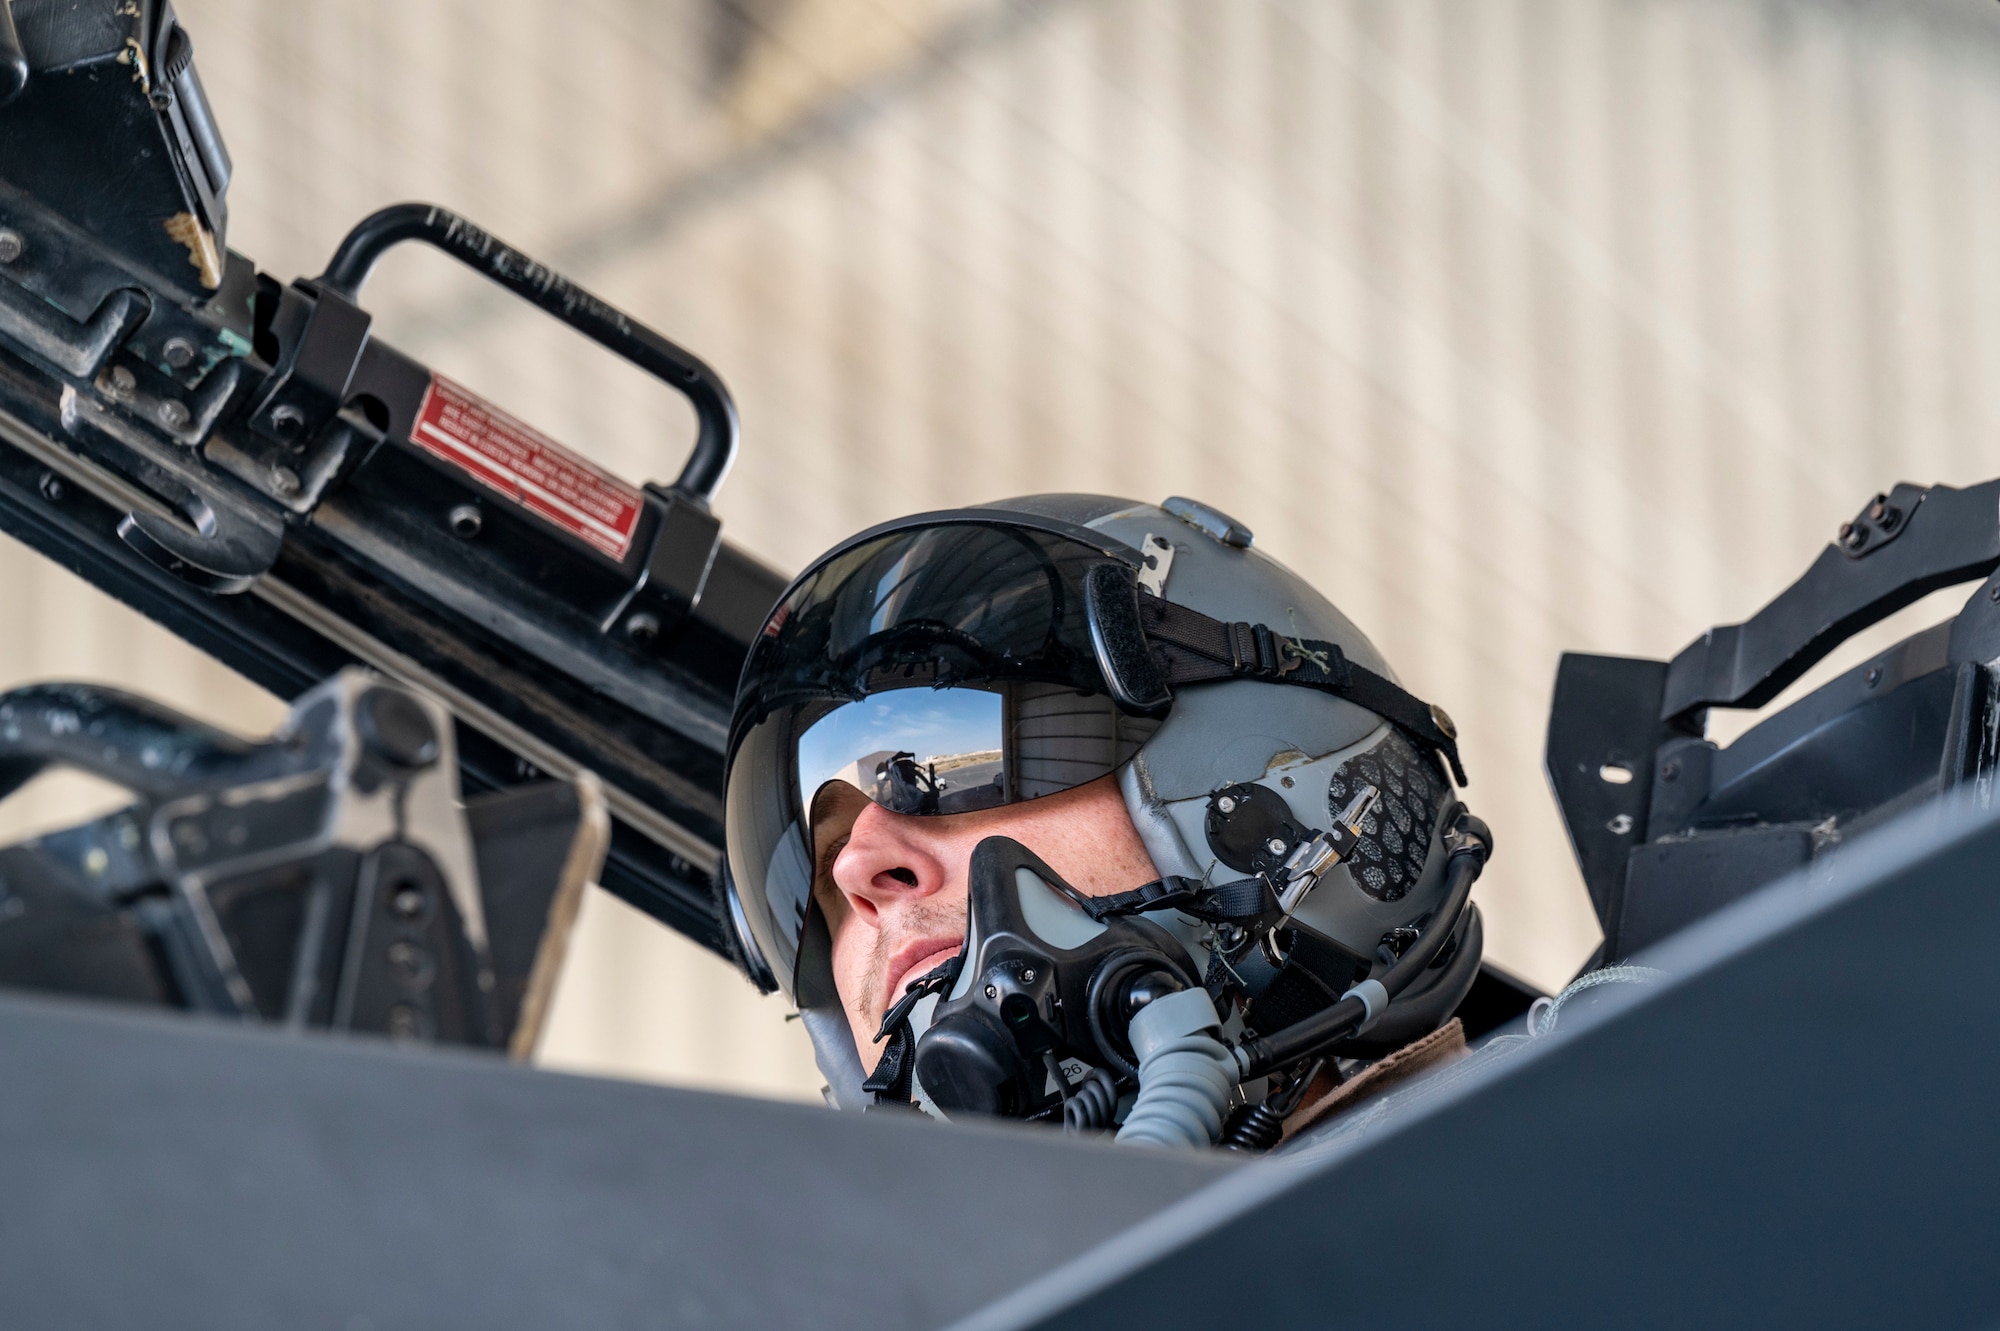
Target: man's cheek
853,954
850,975
853,980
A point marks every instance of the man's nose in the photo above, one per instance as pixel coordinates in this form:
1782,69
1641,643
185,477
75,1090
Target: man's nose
886,863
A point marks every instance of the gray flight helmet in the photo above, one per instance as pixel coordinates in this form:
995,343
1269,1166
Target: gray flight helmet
1311,749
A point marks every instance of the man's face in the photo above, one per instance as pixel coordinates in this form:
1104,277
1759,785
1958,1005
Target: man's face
893,886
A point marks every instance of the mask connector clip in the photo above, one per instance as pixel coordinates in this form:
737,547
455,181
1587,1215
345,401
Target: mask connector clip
1311,859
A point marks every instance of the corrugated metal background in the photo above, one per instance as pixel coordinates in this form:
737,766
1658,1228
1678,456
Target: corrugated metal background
1516,325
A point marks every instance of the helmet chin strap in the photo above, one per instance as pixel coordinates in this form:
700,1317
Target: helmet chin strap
894,1079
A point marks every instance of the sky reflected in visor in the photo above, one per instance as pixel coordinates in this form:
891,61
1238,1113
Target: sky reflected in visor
921,750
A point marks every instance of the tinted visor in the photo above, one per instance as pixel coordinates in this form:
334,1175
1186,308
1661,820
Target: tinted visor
935,670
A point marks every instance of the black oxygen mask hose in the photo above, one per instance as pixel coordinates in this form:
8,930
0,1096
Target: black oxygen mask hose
1467,846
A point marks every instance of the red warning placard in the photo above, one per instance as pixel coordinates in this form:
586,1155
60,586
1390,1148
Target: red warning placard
527,466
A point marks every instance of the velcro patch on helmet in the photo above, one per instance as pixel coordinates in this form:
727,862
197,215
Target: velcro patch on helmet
1395,839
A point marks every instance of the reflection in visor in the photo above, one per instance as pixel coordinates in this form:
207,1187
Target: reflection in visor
919,751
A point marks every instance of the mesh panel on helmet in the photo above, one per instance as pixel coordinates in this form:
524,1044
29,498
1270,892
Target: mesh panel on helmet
1396,834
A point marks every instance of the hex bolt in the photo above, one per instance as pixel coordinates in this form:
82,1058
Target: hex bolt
411,964
405,1023
1275,846
1028,975
465,521
11,244
396,728
178,353
1225,806
992,991
122,382
173,414
285,481
407,902
52,488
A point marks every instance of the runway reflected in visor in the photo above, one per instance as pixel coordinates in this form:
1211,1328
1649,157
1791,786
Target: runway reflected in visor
917,751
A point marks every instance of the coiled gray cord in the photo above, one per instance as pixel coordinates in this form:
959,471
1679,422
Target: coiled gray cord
1092,1104
1185,1073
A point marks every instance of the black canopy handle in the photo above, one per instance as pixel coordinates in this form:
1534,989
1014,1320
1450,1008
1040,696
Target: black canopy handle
714,445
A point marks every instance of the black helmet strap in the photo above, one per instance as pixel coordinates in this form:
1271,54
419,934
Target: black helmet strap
1147,645
1195,649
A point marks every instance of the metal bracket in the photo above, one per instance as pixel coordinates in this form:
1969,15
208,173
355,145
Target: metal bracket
1158,560
1882,520
675,572
323,335
1604,729
1940,536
